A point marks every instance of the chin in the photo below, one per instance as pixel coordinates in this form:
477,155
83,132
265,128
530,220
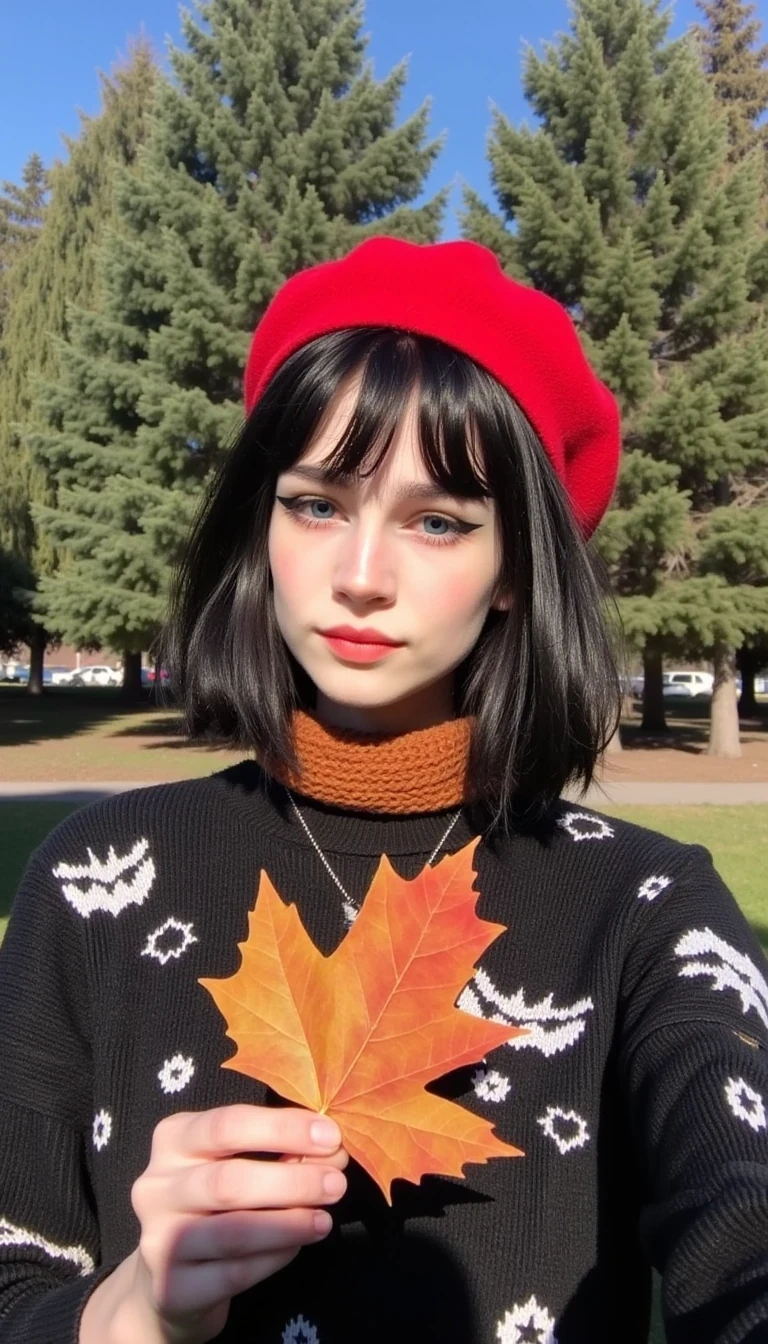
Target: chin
360,696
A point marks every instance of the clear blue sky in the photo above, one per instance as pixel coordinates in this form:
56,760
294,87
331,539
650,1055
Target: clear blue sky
464,53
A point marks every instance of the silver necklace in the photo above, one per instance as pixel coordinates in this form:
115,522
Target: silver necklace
351,910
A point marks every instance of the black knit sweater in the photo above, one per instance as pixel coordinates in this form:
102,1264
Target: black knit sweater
639,1094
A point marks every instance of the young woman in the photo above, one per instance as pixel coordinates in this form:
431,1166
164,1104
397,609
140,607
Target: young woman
388,603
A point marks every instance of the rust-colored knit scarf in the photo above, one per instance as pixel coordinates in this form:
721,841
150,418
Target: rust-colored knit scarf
419,771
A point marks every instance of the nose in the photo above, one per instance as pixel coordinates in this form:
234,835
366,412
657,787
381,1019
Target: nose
365,564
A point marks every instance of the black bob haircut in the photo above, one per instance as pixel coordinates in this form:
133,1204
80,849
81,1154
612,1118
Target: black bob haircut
541,679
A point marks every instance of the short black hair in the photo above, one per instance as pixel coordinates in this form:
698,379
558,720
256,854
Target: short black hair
542,678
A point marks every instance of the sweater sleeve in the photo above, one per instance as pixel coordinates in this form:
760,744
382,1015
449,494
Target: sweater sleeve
49,1234
693,1068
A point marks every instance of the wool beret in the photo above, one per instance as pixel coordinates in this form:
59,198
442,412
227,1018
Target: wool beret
458,293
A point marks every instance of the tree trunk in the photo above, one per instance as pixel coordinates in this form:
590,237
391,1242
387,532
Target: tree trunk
36,655
747,663
654,718
724,737
131,689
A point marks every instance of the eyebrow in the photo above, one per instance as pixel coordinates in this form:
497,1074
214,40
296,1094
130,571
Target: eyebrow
406,490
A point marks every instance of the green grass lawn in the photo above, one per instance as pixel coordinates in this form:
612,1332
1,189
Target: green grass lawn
23,826
737,838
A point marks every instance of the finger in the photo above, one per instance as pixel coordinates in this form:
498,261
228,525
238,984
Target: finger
246,1183
226,1130
339,1159
227,1236
198,1286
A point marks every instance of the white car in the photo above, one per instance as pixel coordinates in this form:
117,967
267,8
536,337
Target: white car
97,674
60,675
690,685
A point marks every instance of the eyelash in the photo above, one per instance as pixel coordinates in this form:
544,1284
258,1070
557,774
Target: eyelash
295,502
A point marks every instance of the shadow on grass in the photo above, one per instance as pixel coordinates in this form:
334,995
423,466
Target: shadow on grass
690,738
61,712
169,730
687,730
65,712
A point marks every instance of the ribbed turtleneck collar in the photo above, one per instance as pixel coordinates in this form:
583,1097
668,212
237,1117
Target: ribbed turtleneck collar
419,771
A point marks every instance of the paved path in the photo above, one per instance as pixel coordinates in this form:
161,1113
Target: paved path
623,792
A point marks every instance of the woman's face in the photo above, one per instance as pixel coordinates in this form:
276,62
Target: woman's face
422,571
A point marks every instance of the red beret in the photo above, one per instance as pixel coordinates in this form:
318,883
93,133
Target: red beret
458,293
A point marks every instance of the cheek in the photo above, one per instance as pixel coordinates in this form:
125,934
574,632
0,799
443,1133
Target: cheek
461,595
285,562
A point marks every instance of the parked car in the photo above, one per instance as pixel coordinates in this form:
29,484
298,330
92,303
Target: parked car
148,676
631,685
688,685
52,675
627,684
69,678
96,674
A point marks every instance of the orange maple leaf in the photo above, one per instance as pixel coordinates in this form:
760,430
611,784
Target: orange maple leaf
357,1035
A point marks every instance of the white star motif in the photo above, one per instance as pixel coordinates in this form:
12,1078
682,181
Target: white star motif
490,1085
598,827
187,938
576,1140
176,1073
527,1321
300,1332
102,1129
745,1103
652,887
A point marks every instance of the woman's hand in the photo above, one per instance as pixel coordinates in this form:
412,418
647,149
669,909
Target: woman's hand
214,1224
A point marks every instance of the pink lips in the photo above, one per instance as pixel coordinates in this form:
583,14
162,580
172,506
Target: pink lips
357,649
355,652
365,635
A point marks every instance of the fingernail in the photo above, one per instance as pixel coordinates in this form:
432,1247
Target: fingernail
334,1183
325,1133
323,1223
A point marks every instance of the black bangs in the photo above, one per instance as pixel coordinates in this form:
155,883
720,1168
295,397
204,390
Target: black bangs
391,366
541,681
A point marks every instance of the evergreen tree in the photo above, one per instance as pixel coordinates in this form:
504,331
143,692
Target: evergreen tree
739,79
272,149
61,268
16,621
621,206
21,214
22,210
737,68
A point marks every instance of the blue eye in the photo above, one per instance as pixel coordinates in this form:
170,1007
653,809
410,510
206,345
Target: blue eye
294,504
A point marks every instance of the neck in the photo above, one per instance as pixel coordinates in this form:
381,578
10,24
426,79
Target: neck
428,707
